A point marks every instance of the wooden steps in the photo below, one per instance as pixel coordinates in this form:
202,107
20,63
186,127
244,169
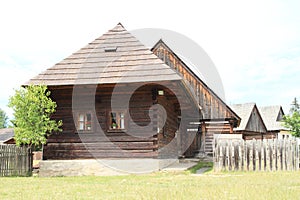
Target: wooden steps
210,130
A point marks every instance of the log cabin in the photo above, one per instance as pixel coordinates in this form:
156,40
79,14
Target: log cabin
118,99
252,125
216,116
273,119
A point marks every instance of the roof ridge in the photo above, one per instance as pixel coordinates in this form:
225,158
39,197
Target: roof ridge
118,28
94,52
243,110
120,24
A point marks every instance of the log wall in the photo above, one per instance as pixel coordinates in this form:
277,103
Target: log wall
212,106
135,141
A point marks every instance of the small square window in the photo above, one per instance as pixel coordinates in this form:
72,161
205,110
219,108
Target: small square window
84,122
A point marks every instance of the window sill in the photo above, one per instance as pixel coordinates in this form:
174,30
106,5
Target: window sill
116,130
84,131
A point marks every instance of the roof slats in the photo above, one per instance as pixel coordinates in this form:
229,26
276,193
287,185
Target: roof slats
116,56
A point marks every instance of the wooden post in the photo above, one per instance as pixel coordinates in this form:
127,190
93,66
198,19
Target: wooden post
247,156
281,154
265,155
223,157
229,156
285,154
297,155
276,153
242,154
259,154
254,154
236,156
270,155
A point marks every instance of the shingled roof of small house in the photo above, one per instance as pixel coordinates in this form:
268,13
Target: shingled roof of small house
272,118
6,134
244,110
115,57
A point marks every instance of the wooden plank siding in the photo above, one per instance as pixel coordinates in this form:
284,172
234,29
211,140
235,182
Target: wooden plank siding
252,125
205,101
212,106
133,142
131,65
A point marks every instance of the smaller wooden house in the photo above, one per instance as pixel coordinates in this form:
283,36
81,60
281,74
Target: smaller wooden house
7,136
252,124
273,117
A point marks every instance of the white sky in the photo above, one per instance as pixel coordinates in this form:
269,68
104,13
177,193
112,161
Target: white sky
255,45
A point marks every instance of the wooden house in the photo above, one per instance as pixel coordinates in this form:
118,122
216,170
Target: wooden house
216,116
117,99
273,119
252,124
7,136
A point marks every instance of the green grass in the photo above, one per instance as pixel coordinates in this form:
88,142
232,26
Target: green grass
194,169
162,185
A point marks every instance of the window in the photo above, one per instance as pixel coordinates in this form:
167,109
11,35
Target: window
84,122
160,54
117,120
110,49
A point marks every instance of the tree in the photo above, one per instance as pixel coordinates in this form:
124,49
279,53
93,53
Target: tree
3,119
295,106
32,108
292,121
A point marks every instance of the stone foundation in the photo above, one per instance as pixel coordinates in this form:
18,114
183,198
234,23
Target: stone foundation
102,167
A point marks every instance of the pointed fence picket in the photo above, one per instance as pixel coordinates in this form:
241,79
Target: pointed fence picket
256,155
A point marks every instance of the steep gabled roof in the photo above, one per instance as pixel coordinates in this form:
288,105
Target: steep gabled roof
272,116
245,111
115,57
194,71
188,65
6,134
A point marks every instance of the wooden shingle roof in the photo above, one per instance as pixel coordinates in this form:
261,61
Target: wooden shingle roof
6,134
251,119
272,116
115,57
244,111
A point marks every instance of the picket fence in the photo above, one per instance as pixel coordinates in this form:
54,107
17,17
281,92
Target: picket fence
15,161
256,155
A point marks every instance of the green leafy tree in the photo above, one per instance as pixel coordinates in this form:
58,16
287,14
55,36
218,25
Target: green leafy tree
32,108
3,119
292,121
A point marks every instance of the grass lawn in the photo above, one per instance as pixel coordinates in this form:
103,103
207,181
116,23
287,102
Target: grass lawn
161,185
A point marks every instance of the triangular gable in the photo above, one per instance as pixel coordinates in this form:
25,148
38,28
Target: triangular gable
115,57
272,116
251,119
280,115
193,70
255,122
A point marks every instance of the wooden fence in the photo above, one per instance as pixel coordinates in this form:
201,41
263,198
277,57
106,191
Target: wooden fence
15,161
256,155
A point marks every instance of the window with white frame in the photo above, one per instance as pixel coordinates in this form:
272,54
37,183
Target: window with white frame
84,121
117,120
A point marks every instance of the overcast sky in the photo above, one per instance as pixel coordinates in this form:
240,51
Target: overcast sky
255,45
